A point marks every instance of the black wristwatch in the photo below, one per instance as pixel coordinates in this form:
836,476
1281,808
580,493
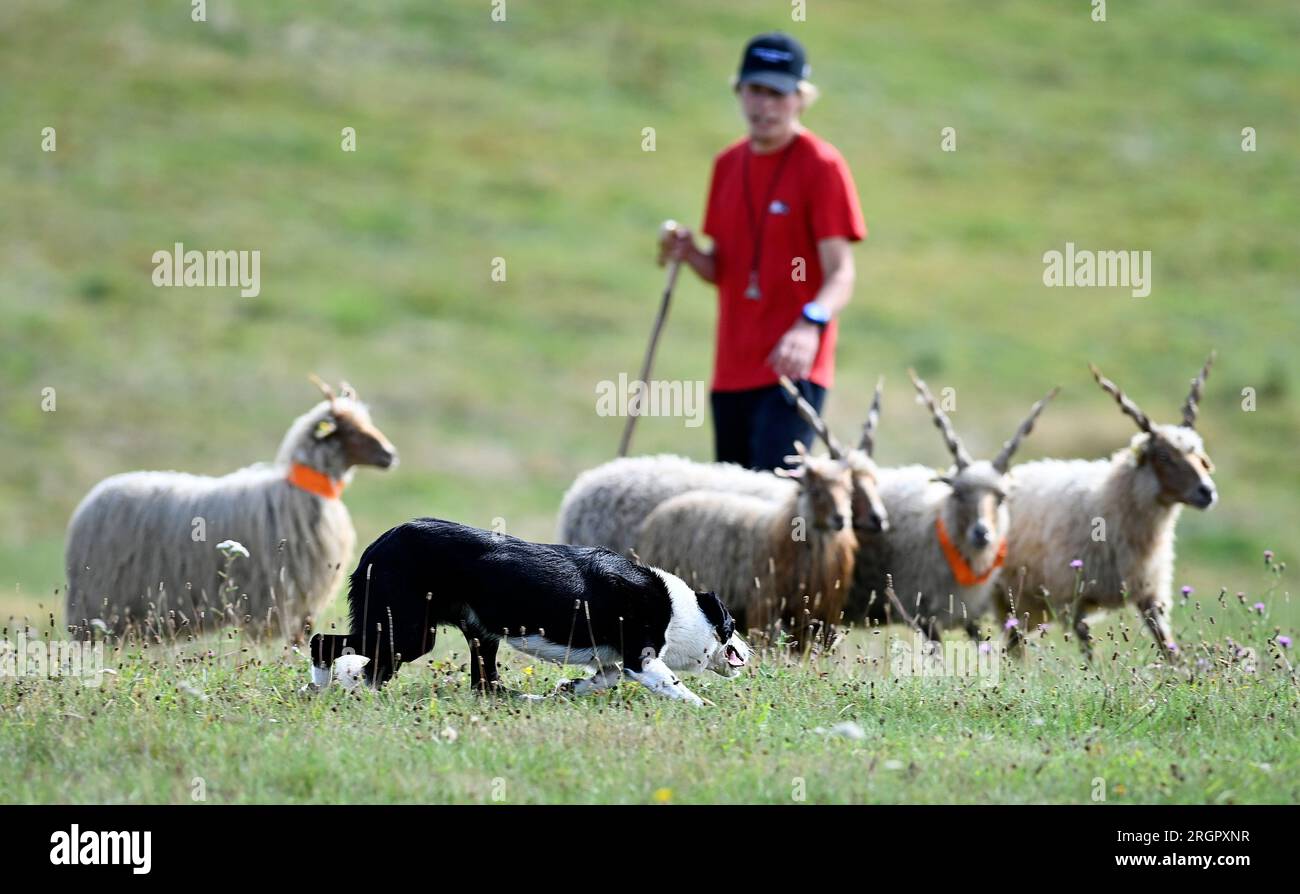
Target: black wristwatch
816,313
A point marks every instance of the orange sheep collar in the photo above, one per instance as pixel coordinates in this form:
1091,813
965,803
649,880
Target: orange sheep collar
314,482
961,570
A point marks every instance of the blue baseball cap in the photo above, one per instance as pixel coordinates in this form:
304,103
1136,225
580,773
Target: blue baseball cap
774,60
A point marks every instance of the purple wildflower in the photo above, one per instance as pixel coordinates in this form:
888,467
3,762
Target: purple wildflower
1284,641
1011,624
1076,564
1259,607
1187,591
986,648
1268,557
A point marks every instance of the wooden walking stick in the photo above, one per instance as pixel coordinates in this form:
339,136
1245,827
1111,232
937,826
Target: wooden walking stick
669,226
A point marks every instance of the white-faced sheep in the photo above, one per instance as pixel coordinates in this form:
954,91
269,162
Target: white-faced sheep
606,506
768,560
141,550
947,535
1116,516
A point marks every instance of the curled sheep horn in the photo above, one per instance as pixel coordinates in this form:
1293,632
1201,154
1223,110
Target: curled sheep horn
1126,404
867,443
1193,402
813,418
1003,460
959,454
324,387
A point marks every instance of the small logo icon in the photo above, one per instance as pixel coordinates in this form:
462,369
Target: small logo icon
778,207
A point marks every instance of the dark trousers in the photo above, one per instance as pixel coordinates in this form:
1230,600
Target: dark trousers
757,428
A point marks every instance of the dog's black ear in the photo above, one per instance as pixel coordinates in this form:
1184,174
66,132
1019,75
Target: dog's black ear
716,613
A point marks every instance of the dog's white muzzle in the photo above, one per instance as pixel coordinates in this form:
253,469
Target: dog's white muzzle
730,657
348,671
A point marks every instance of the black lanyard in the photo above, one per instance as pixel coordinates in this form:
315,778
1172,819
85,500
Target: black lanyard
756,228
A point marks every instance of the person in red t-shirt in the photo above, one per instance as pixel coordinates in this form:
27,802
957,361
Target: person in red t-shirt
782,213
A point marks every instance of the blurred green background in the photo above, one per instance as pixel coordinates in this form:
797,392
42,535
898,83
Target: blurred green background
522,140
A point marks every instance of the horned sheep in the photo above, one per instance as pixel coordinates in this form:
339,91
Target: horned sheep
947,535
789,560
607,505
141,552
1092,535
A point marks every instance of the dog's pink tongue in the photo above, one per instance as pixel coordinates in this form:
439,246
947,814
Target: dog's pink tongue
733,657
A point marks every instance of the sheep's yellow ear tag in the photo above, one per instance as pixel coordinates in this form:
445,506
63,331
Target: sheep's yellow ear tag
324,429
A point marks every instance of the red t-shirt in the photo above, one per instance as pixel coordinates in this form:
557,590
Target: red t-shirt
813,199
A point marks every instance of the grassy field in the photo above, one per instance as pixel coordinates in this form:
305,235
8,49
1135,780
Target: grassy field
522,140
218,722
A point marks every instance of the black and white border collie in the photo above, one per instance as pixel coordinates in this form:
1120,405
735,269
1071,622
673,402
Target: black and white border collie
567,604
